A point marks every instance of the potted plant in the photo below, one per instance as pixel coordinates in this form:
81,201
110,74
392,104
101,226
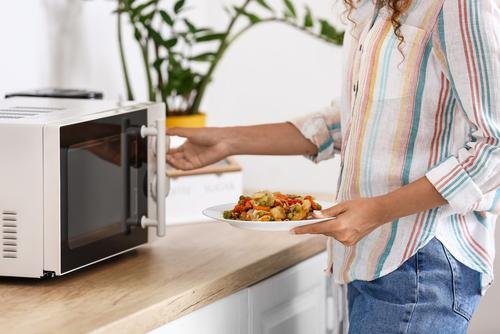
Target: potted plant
180,57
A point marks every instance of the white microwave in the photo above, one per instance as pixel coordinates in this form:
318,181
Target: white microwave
80,181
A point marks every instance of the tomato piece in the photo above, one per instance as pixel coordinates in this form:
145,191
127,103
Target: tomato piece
248,205
293,201
239,208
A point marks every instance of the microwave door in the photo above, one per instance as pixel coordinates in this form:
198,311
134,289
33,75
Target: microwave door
103,188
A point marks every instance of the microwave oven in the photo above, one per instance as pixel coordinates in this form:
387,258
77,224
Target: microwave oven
80,181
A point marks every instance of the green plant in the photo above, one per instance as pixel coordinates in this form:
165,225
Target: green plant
180,57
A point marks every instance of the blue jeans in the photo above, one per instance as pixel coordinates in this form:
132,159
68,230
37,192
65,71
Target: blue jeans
430,293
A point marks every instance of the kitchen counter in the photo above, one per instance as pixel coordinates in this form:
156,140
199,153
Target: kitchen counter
192,266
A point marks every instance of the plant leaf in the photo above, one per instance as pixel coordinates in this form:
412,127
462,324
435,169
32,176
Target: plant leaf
308,19
207,56
166,18
146,19
201,30
137,10
154,35
137,34
210,37
179,5
329,32
264,4
252,17
157,63
290,8
170,43
326,29
190,26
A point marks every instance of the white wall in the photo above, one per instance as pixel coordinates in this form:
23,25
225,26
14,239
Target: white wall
272,74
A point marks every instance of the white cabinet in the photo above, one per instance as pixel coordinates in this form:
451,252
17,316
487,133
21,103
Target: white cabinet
228,315
292,302
296,301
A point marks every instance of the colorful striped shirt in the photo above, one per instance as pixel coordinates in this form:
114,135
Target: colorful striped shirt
427,107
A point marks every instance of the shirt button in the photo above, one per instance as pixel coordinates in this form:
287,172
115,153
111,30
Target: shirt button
361,47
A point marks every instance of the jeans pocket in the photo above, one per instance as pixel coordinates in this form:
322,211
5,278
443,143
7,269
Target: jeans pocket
466,287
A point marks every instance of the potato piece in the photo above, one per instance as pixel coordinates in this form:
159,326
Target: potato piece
265,218
263,198
298,213
306,205
257,214
278,213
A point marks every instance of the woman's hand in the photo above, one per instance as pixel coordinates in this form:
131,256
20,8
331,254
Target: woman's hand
356,218
203,147
352,220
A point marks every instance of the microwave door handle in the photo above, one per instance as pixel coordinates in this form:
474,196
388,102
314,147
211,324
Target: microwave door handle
162,183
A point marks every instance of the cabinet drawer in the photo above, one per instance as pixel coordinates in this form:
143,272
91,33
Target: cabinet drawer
291,302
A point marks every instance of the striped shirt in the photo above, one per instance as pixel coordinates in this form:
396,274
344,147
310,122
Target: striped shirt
428,107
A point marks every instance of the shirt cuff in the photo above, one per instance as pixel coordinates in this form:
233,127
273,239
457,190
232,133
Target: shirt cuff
314,128
453,182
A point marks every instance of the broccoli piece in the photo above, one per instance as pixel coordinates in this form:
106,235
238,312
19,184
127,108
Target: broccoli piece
228,214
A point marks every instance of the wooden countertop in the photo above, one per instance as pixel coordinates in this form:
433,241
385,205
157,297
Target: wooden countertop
192,266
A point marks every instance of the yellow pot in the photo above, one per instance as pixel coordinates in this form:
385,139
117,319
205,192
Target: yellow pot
187,121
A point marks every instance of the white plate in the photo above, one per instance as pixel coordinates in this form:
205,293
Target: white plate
216,212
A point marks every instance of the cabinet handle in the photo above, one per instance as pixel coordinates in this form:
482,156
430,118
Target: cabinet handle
162,185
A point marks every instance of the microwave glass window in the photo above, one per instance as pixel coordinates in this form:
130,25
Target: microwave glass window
103,188
95,209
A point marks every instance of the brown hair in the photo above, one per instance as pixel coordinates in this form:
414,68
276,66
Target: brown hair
396,7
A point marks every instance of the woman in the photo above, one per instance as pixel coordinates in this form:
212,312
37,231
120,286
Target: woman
418,131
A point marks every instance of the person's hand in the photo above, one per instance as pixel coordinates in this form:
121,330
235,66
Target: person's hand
352,220
203,147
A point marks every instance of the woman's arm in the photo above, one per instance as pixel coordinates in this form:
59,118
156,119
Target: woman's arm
316,135
269,139
205,146
468,38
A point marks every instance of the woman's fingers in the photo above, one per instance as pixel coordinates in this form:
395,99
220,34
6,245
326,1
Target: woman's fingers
326,227
180,132
180,163
333,211
178,160
175,149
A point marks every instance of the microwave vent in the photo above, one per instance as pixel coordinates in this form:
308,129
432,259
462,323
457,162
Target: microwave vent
9,234
23,111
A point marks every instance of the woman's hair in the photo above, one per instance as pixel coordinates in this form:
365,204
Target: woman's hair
397,9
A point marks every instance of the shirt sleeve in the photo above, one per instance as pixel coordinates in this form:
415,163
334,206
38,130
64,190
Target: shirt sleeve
322,128
468,33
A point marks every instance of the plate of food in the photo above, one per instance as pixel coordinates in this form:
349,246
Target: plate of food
268,211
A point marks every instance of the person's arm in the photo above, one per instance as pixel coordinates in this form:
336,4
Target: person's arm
468,38
268,139
323,129
204,146
316,136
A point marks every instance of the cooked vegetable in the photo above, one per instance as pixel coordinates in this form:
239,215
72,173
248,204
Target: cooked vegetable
267,206
278,212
